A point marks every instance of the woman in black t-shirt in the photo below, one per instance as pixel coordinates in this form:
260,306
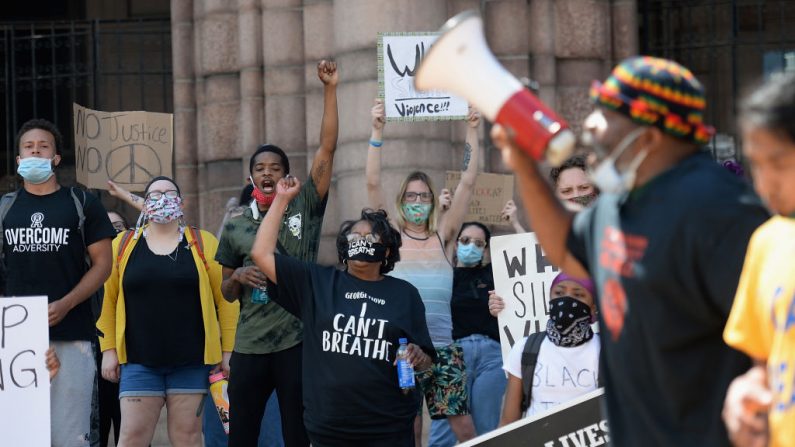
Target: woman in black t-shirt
164,322
353,320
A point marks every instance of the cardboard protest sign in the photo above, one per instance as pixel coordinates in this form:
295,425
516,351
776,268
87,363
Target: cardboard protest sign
489,197
399,56
129,148
24,380
522,276
576,423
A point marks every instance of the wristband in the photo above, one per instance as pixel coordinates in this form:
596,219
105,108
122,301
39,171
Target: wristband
375,143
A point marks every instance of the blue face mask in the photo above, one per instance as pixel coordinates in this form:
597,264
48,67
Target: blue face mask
35,170
469,255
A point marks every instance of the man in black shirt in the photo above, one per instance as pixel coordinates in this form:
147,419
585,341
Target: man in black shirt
44,248
664,243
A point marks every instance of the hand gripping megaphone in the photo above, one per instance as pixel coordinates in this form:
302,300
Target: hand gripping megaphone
460,62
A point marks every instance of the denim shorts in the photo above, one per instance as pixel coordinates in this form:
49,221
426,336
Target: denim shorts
142,381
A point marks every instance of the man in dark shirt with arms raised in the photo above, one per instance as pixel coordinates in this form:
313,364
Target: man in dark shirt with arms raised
664,243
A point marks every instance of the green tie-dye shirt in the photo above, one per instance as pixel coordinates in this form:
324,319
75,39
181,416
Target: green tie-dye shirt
266,328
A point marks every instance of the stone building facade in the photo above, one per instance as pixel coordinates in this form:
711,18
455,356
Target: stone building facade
244,74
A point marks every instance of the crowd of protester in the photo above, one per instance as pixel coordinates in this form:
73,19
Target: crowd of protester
652,238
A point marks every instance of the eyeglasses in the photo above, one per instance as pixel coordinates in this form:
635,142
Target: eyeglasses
369,237
465,240
409,196
119,226
156,195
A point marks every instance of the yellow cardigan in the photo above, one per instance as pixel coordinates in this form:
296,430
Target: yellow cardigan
218,314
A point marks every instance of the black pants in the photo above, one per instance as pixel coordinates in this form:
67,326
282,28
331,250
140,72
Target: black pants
108,400
252,379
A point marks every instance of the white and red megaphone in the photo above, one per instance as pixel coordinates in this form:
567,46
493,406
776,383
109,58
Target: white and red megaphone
460,62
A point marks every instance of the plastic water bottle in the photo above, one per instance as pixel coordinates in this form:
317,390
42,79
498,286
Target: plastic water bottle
404,369
218,385
259,295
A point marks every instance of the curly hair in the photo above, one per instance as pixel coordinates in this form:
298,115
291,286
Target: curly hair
577,161
38,123
379,222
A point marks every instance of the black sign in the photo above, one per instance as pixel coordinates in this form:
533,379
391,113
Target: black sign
574,424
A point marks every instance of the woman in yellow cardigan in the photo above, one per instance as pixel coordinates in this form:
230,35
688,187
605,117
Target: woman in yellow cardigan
164,324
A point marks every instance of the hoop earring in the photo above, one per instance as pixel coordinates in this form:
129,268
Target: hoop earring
386,262
345,262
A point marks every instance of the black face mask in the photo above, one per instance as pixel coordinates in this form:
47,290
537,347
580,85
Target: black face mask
363,250
569,322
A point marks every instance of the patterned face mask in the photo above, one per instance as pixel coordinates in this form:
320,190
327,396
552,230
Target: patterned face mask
569,322
417,213
163,210
584,200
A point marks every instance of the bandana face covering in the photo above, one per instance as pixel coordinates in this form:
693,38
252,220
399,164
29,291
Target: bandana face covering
584,200
569,322
261,197
365,250
417,213
164,209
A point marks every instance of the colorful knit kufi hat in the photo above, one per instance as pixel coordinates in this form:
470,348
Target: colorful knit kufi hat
656,92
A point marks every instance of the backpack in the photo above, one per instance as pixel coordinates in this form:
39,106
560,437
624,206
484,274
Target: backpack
198,242
529,360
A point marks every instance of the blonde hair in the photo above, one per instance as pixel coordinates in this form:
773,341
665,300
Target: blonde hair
401,218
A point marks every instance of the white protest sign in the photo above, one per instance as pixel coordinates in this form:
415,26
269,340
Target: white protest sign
24,380
399,56
130,148
522,277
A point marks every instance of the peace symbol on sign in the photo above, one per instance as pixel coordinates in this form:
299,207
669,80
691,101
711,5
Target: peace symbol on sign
133,163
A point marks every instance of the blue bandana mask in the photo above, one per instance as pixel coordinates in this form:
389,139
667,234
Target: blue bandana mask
469,255
35,170
417,213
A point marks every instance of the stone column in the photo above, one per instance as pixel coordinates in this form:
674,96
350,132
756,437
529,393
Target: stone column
185,155
218,99
252,124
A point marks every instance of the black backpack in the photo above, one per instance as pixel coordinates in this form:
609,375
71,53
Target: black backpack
529,361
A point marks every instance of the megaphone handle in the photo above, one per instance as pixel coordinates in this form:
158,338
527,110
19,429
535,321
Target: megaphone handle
532,122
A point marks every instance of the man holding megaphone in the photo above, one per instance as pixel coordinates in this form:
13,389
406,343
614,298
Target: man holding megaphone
665,243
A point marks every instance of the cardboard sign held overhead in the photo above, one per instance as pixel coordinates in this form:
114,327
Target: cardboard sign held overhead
129,148
522,277
399,55
24,379
491,193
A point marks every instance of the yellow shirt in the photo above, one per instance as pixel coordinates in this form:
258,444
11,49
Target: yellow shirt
762,320
219,315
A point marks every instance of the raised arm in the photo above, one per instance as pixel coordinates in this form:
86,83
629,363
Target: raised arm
262,252
127,197
375,193
509,215
329,128
454,217
550,221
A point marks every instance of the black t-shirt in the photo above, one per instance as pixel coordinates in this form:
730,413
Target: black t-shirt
44,252
470,302
351,332
666,260
163,307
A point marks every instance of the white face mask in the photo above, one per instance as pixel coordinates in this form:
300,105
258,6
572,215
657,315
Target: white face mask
606,175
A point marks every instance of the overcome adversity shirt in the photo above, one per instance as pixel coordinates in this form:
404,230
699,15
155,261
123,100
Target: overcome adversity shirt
351,333
666,259
266,327
45,255
762,321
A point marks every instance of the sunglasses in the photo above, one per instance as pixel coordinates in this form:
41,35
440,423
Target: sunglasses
369,237
465,240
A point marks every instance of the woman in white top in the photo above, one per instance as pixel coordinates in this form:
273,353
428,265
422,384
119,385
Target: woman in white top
427,247
568,360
